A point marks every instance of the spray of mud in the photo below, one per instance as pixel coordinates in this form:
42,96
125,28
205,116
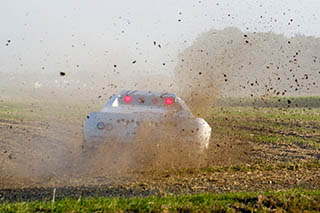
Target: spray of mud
219,63
157,144
232,63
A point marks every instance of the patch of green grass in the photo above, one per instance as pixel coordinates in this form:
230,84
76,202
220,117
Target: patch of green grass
290,200
255,166
268,125
273,102
13,111
302,114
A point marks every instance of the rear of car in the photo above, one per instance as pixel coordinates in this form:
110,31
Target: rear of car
124,115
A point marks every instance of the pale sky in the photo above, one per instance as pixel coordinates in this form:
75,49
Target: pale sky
83,35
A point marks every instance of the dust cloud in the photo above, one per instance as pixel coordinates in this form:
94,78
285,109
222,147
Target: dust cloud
232,63
47,147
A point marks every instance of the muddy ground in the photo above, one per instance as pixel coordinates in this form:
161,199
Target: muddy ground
38,156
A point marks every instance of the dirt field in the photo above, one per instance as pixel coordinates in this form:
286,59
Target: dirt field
251,149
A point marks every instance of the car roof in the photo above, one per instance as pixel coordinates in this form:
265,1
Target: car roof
146,93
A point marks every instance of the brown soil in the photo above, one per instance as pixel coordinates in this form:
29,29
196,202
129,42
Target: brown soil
32,156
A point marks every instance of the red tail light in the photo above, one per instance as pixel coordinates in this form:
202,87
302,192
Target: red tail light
169,101
127,99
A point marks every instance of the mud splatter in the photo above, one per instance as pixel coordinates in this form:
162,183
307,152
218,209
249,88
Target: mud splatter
230,62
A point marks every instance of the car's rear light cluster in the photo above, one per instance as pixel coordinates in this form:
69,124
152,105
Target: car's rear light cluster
167,100
127,99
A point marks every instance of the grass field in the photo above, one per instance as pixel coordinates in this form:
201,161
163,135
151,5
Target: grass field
290,200
273,102
285,130
269,125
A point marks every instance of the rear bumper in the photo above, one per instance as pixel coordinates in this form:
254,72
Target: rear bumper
117,129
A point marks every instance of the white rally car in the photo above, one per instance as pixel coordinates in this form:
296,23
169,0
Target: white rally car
125,116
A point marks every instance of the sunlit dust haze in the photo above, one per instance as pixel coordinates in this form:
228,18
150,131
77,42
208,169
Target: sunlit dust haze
60,60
